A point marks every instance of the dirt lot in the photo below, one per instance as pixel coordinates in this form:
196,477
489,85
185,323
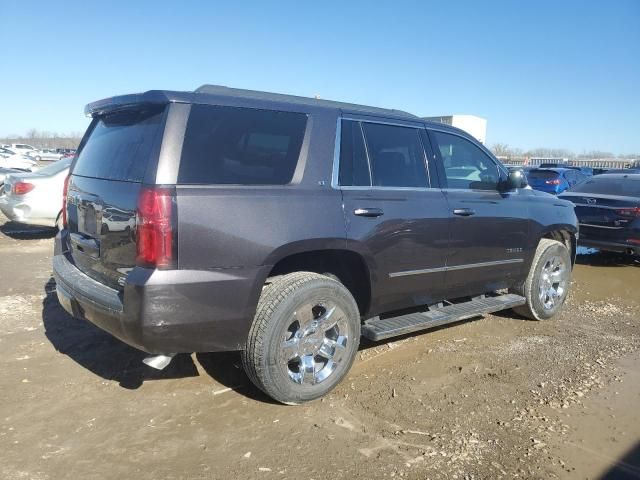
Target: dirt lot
496,397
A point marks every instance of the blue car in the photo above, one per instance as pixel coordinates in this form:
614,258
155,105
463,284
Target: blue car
554,180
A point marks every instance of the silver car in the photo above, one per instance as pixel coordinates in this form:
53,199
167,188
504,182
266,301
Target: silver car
44,154
35,198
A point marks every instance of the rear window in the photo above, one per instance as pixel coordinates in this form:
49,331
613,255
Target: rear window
120,145
541,175
613,185
55,167
240,146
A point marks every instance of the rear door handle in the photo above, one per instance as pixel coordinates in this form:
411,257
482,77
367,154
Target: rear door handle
463,212
368,212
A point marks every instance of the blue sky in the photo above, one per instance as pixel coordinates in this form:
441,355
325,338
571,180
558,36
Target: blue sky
544,73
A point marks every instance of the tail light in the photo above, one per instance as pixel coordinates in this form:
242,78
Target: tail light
65,190
555,181
155,233
20,188
628,212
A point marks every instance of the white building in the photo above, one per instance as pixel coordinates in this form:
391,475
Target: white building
473,125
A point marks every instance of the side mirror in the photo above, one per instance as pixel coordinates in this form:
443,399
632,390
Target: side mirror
516,179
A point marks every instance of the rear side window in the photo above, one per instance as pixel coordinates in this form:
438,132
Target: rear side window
120,145
396,156
240,146
354,168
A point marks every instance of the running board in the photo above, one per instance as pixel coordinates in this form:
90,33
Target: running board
379,329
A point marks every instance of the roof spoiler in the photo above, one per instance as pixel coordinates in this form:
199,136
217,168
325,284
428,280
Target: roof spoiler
122,102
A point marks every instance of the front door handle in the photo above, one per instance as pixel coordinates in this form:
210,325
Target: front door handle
368,212
463,212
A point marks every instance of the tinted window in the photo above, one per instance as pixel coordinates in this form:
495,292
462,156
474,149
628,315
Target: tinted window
120,145
610,185
242,146
396,156
541,175
465,165
354,168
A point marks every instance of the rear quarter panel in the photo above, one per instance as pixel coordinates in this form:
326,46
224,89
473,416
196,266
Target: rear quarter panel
245,226
226,226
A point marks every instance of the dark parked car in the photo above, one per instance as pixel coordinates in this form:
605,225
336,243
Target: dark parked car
554,180
623,170
66,152
608,209
286,227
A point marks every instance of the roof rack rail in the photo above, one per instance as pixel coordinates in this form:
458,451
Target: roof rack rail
280,97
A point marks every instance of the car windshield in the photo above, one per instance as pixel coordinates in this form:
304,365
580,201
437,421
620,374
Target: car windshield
622,185
55,167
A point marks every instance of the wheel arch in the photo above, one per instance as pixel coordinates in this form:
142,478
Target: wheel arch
347,266
565,234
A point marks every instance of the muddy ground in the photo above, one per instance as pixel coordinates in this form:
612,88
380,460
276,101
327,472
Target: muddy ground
495,397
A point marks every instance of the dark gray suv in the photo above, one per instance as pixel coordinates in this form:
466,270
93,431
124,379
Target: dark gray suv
287,227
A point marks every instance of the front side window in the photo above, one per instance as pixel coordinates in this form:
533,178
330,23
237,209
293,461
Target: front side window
466,166
396,156
240,146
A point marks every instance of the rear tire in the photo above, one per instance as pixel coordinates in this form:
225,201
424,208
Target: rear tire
303,339
547,284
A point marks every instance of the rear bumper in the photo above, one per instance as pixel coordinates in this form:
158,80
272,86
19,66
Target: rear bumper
612,240
610,246
169,311
551,191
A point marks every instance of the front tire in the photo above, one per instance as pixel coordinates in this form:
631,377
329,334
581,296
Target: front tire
303,339
547,284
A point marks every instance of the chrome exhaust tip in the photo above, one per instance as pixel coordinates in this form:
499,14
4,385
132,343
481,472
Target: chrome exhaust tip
159,362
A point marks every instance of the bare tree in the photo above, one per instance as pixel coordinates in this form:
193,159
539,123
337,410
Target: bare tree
44,139
500,149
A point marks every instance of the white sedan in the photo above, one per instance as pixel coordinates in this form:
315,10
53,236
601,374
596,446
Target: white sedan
44,154
35,198
10,159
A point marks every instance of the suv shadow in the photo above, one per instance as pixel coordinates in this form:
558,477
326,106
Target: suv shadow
111,359
99,352
19,231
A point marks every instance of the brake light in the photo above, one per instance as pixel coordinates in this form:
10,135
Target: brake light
154,235
628,212
20,188
555,181
65,190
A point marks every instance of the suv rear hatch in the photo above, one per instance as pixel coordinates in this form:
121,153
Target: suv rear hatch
119,150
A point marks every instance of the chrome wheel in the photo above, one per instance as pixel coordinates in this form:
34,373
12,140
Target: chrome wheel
315,342
553,282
